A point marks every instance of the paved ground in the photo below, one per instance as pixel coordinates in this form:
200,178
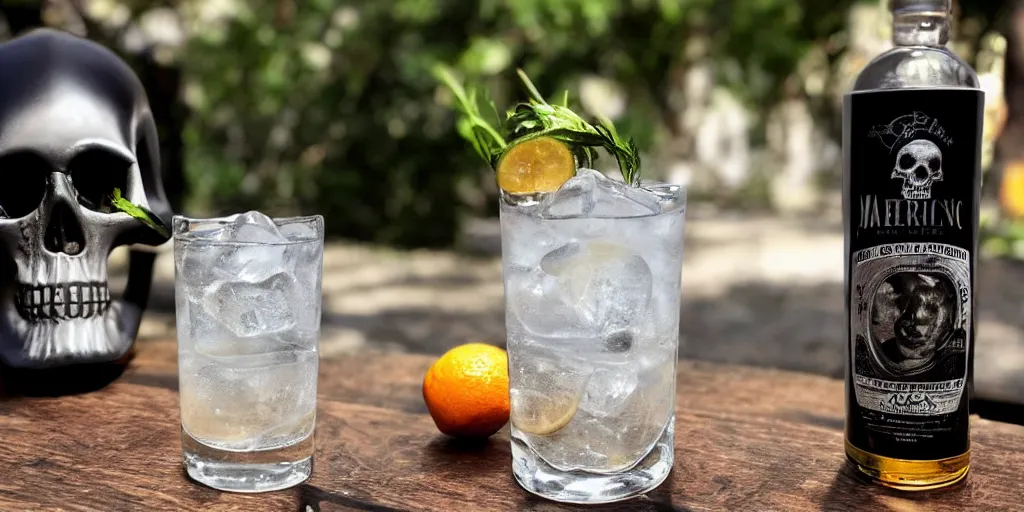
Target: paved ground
764,291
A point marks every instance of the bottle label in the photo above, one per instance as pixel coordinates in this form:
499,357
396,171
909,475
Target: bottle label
912,183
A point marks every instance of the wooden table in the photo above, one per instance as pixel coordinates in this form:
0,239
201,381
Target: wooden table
746,439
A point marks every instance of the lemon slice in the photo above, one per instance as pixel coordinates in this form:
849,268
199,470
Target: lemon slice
536,165
542,414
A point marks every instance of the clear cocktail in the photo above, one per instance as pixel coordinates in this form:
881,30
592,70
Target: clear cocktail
592,290
592,270
248,314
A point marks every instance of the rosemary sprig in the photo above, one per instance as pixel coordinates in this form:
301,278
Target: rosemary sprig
139,213
486,139
537,118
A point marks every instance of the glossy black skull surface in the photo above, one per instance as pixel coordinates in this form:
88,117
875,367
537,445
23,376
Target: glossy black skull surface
74,125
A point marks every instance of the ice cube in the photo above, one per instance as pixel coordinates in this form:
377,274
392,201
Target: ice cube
214,231
608,285
201,326
615,199
609,391
250,309
575,199
196,264
524,240
253,234
558,261
535,299
255,227
249,227
251,263
298,231
666,192
239,257
591,194
306,261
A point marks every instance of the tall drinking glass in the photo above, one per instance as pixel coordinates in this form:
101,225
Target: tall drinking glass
592,289
247,291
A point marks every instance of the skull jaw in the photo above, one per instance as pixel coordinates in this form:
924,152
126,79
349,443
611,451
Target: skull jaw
922,192
43,344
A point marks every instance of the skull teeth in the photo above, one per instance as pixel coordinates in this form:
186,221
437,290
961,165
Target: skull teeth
62,301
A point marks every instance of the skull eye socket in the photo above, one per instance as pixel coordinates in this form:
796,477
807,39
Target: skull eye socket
934,164
907,162
95,174
26,175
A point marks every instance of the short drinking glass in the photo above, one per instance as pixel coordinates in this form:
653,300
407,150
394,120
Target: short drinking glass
592,290
247,291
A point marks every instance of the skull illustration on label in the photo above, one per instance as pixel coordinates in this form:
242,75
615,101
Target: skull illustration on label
919,165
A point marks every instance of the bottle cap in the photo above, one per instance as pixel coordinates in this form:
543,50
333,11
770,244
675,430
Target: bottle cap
910,6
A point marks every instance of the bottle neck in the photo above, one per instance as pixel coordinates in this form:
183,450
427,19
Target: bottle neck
920,28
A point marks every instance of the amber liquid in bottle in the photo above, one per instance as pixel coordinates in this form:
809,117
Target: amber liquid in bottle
911,187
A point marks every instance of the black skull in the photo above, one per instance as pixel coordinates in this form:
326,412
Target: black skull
74,125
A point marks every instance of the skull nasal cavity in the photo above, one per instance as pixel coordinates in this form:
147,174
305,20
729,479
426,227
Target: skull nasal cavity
922,172
64,233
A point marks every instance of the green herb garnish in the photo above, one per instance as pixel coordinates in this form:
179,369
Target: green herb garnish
533,119
139,213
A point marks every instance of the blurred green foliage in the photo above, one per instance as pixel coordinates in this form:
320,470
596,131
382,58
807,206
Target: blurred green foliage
330,106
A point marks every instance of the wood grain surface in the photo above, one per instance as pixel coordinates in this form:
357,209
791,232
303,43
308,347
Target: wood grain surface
746,439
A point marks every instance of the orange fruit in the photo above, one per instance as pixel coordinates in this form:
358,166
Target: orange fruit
466,390
536,165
